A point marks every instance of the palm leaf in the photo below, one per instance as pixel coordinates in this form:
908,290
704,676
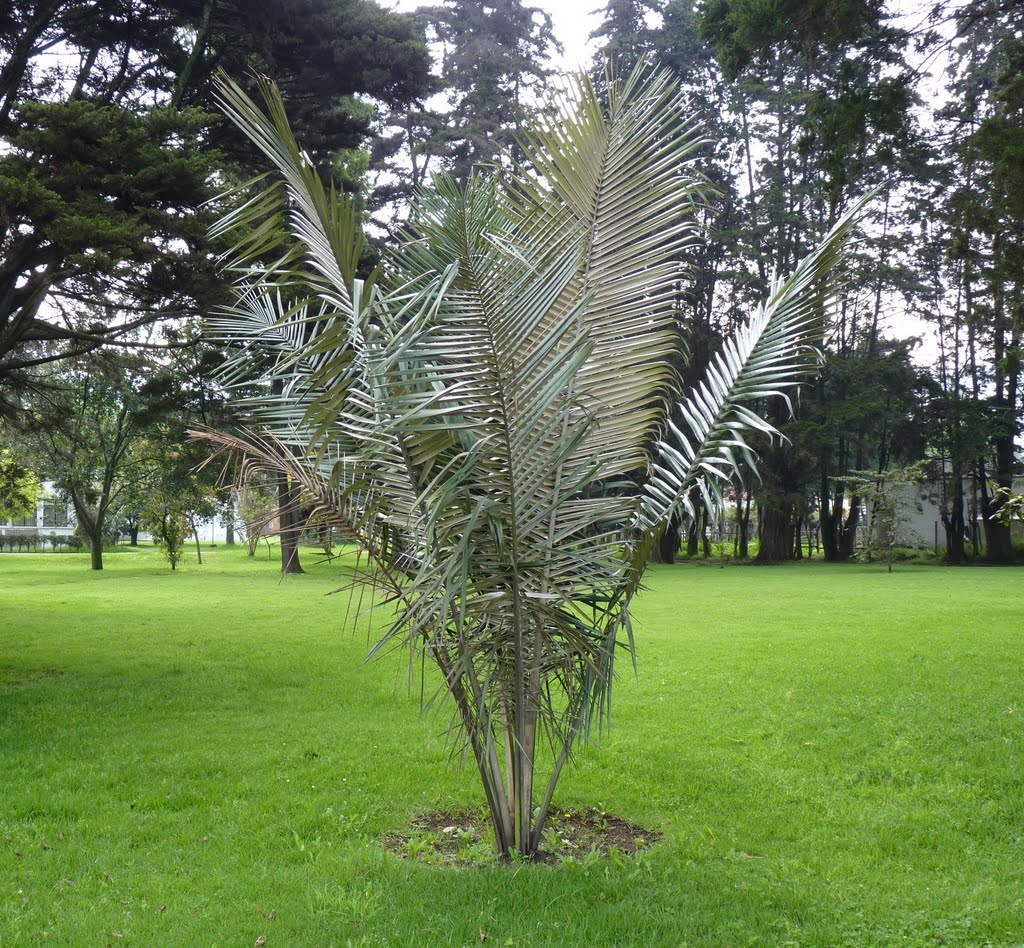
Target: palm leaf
482,422
768,356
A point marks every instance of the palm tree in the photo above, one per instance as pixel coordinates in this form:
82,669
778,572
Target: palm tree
491,414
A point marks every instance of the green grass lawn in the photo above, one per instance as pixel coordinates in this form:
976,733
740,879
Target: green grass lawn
834,755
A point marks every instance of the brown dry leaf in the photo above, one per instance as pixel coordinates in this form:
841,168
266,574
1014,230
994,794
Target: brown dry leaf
272,915
260,942
483,935
46,846
107,876
8,838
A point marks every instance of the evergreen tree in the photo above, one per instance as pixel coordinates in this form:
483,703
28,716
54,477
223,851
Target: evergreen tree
985,230
108,151
824,106
493,59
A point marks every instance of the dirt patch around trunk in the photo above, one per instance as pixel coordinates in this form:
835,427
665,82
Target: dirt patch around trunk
463,837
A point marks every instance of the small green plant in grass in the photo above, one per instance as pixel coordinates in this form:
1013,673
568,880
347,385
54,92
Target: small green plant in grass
167,521
892,495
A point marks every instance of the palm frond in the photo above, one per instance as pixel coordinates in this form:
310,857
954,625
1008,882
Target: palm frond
322,220
620,163
768,356
481,420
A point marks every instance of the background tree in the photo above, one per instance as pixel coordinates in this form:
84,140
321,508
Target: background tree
824,101
892,494
981,231
492,63
166,518
257,504
624,35
86,429
19,487
108,155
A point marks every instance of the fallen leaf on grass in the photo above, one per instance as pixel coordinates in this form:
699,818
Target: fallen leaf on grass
260,942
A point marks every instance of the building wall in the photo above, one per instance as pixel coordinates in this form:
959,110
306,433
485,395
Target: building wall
924,528
50,516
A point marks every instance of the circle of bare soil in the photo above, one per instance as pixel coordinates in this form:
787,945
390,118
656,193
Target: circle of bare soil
463,837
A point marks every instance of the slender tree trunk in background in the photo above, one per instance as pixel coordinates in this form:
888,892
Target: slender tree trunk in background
741,541
195,533
998,538
668,545
848,535
831,519
693,537
133,535
288,516
953,522
743,525
229,533
90,521
1006,351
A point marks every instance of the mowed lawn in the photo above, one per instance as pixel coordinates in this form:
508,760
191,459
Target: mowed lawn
835,756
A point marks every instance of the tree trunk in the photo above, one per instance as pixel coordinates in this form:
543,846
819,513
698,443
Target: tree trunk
229,534
998,538
775,533
289,521
743,526
848,536
953,522
668,544
96,551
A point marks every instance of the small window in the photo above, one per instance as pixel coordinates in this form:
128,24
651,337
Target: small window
54,514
